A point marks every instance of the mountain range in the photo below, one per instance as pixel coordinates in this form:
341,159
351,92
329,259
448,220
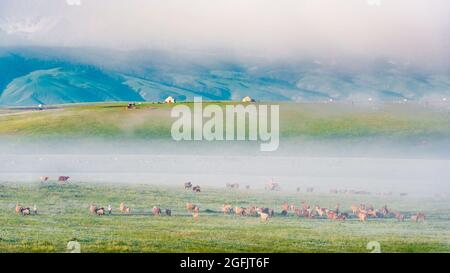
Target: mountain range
30,76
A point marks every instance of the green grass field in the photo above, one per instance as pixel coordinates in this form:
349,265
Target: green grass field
153,121
63,215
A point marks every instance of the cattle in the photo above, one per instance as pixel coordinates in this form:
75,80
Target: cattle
264,216
321,211
342,216
18,208
272,186
196,188
331,215
92,209
156,211
123,208
384,211
240,211
43,178
25,211
227,209
195,213
253,211
131,106
362,216
232,185
269,211
168,212
190,206
100,211
373,213
63,179
400,217
188,185
354,209
417,217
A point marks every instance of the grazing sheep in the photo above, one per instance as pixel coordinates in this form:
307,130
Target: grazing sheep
168,212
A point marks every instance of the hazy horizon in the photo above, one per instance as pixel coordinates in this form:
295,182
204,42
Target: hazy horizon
328,30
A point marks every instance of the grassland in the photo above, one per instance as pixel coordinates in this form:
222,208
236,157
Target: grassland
153,121
63,216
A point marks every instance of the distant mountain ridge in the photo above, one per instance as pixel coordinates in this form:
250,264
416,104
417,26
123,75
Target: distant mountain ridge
45,76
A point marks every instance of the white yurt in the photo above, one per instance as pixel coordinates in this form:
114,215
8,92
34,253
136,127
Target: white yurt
248,99
169,99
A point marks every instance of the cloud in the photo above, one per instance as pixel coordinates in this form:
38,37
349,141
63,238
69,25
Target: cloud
26,25
410,29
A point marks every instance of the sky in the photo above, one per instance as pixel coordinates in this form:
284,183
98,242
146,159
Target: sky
409,30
